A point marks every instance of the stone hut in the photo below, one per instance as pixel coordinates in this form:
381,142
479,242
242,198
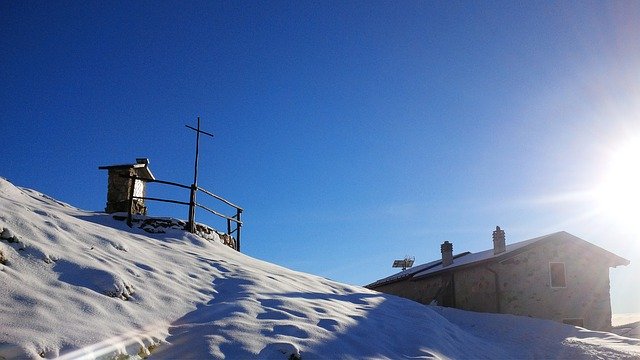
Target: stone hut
557,277
120,186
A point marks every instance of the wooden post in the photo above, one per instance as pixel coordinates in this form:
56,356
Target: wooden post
192,210
194,186
132,184
239,226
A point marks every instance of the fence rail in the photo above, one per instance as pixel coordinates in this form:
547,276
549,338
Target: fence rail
191,224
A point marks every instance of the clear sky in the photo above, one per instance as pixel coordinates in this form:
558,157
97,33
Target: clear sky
353,133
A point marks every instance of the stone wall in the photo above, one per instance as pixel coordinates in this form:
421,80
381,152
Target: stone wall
521,285
525,285
424,291
475,289
119,190
161,225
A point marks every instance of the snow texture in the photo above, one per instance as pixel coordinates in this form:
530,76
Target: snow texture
626,324
78,284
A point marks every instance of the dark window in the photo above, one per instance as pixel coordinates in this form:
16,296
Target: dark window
557,273
574,322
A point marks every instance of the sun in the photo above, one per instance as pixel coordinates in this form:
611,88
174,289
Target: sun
619,193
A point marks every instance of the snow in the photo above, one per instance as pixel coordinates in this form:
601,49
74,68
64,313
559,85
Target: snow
81,284
468,258
407,272
461,259
626,324
624,319
483,255
489,254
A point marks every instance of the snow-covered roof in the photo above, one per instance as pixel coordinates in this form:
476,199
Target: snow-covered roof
412,271
142,165
472,259
485,255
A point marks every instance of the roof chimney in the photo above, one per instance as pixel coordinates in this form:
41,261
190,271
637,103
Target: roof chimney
499,245
447,253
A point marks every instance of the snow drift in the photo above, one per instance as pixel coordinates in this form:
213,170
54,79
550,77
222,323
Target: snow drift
81,284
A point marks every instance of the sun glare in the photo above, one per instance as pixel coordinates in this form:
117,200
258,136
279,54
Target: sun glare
620,191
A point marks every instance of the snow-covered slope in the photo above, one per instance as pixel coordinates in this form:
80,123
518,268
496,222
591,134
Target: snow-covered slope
626,324
80,284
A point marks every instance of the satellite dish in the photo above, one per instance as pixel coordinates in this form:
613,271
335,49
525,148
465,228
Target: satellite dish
405,263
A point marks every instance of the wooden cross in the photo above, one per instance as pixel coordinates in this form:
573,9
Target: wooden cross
194,186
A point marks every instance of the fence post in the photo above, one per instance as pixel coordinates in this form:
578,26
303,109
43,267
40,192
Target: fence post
238,227
192,209
132,184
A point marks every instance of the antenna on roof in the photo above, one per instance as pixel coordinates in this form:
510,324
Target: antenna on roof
405,263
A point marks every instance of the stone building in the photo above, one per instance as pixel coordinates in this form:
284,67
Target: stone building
558,277
120,187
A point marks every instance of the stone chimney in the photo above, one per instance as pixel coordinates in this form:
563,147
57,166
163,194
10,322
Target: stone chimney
499,243
447,253
119,186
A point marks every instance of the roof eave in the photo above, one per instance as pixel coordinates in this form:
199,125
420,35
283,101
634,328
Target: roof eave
497,258
620,262
147,174
410,275
615,260
451,268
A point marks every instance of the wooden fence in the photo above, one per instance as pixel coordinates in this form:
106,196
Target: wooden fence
191,224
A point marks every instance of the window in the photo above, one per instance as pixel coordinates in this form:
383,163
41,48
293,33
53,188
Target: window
557,273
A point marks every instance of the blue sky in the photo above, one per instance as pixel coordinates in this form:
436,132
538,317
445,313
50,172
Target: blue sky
353,133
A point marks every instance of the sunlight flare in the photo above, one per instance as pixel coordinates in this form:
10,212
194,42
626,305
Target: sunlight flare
619,193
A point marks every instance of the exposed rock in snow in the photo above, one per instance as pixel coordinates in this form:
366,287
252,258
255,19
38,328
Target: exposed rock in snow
6,234
279,350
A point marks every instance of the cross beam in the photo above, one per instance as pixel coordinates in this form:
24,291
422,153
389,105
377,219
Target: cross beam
194,186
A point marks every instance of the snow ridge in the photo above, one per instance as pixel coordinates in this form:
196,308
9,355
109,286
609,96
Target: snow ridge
78,284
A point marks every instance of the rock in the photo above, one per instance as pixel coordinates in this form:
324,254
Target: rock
280,351
6,234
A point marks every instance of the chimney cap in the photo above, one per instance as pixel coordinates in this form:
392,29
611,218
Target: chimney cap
446,246
499,241
144,161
